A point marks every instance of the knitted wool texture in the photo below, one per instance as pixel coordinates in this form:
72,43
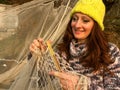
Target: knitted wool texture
93,8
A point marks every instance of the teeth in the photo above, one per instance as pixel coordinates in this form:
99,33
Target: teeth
80,30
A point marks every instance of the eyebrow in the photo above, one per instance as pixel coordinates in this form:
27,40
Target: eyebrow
83,16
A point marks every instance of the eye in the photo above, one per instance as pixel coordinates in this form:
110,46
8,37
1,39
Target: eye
74,18
86,20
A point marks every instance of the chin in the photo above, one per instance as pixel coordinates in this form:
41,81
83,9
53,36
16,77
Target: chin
79,38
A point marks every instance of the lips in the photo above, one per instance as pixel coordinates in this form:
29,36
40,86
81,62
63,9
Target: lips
79,31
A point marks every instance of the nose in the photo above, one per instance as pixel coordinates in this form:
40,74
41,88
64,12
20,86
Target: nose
78,24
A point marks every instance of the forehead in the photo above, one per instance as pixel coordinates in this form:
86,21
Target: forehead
79,14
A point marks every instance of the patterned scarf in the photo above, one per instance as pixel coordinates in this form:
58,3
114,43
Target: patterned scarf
77,49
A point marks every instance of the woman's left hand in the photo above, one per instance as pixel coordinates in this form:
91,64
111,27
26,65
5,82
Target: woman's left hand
68,81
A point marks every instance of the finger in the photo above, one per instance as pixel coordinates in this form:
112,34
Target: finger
62,80
58,74
41,41
36,43
42,44
50,41
32,48
43,48
53,73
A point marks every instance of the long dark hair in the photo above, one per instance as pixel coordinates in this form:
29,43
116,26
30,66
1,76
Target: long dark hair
97,48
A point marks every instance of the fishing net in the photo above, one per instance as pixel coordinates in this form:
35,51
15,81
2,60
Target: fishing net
19,26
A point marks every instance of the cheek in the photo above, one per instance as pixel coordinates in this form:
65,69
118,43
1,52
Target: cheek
88,31
72,24
89,28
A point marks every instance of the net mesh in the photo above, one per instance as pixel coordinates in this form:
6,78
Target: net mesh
19,26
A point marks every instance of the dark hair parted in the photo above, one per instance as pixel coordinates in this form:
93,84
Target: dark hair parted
97,48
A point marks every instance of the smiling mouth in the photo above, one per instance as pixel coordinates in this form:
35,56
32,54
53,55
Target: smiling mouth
78,31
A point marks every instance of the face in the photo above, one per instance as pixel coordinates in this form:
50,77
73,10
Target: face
81,26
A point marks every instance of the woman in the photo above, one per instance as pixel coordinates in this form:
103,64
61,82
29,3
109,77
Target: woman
86,48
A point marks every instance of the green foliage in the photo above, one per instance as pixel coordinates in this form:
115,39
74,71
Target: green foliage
4,2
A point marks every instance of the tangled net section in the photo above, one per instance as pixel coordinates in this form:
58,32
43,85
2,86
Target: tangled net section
19,26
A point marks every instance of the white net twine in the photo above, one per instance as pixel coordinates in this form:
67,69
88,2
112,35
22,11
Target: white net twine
19,26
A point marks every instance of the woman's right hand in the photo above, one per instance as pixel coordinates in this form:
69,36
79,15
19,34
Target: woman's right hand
37,44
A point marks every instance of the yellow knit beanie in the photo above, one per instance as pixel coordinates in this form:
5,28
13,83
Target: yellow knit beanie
92,8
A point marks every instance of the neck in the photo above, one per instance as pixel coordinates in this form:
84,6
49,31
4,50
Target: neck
81,41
